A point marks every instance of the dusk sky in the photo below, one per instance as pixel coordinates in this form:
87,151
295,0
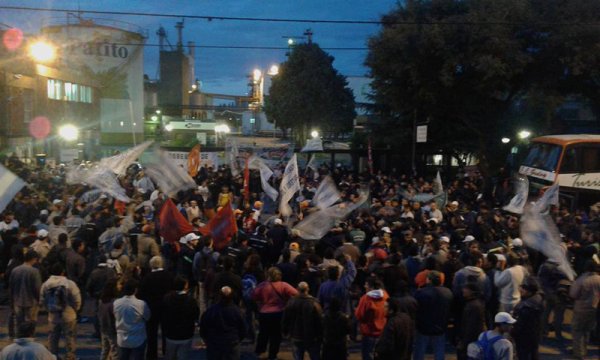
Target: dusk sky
225,70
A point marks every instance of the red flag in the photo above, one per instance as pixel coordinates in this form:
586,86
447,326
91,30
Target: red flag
194,160
222,227
247,182
172,224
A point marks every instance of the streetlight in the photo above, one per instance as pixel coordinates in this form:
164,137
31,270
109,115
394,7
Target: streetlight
42,51
290,42
314,134
256,74
169,127
68,132
505,140
158,112
154,118
273,70
524,134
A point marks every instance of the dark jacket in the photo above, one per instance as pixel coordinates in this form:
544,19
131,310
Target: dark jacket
336,326
222,325
528,313
153,288
75,266
473,321
397,338
302,319
98,278
434,309
106,319
228,278
179,316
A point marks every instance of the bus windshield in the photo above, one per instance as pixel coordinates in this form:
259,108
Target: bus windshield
543,156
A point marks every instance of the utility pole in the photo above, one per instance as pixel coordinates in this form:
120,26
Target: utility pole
309,34
414,144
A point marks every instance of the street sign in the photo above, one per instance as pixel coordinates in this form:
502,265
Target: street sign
422,134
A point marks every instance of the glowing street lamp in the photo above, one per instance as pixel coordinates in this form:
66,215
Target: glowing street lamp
256,75
169,127
505,140
42,51
68,132
314,134
290,42
273,70
524,134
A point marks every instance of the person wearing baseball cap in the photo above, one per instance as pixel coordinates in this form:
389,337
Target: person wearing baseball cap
527,332
41,244
502,348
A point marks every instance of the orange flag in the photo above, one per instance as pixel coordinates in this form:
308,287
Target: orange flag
194,160
222,227
172,224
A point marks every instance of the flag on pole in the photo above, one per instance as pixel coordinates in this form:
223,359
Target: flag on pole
247,181
327,194
172,225
222,227
10,185
169,176
290,183
265,174
539,232
232,153
370,156
550,197
194,160
119,163
517,203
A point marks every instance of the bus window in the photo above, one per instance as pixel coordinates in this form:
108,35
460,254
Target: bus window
590,159
543,156
569,162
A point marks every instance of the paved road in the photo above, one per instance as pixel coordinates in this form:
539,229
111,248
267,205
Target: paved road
89,347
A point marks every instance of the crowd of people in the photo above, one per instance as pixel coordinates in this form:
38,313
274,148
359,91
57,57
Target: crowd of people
400,276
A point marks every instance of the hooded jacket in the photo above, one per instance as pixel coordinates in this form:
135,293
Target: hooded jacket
434,310
528,312
370,313
73,301
467,274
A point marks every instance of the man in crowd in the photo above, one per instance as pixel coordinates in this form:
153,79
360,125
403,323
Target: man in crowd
131,315
24,346
586,293
24,291
302,323
179,316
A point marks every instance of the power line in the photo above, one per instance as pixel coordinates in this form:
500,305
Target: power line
245,47
294,20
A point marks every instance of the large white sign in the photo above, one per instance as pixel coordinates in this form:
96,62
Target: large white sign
422,133
537,173
589,181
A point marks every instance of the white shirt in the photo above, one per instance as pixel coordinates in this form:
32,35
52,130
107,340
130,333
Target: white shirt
10,226
131,315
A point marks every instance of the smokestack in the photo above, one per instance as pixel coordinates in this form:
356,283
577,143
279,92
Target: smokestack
179,27
191,49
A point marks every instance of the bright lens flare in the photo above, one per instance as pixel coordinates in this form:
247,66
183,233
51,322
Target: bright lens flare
12,38
68,132
39,127
42,51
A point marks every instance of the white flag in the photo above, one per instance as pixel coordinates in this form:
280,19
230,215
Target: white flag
168,175
550,197
10,185
106,180
313,145
119,163
438,187
317,224
232,153
517,203
290,183
539,232
265,174
327,194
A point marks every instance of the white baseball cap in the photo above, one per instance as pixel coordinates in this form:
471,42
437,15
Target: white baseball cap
189,237
42,233
517,242
278,222
386,229
504,318
444,239
469,238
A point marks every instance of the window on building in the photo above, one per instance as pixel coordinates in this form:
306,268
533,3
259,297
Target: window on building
85,94
71,92
55,89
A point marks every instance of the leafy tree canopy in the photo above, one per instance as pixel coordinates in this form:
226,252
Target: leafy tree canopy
308,93
478,70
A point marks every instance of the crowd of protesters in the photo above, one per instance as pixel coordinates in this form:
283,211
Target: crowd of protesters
401,277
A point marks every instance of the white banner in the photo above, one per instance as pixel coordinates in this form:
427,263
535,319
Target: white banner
422,133
119,163
327,194
290,183
517,203
313,145
539,232
169,176
10,185
232,154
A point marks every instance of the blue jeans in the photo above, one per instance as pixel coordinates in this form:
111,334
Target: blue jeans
313,350
138,353
367,346
437,341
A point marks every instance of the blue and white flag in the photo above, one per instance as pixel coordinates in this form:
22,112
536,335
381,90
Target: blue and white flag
517,203
120,162
327,194
10,185
290,184
550,197
539,232
265,174
168,175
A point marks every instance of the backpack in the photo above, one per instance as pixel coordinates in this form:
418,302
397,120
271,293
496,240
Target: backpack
248,285
483,349
56,299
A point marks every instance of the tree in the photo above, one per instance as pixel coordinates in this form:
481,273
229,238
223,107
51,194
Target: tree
308,93
476,70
